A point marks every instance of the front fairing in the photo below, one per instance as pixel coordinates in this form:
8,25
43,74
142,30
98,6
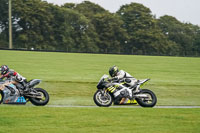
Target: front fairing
104,77
102,82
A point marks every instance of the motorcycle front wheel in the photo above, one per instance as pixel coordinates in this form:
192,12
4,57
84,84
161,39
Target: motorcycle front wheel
147,102
102,98
40,101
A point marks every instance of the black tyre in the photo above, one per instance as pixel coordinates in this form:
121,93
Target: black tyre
1,96
40,101
102,99
147,102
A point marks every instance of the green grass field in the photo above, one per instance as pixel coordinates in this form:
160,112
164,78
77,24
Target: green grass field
71,79
98,120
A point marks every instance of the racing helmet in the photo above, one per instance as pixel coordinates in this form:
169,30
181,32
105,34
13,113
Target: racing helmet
113,71
4,69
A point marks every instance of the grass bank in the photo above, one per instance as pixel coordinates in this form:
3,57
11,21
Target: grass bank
95,120
71,78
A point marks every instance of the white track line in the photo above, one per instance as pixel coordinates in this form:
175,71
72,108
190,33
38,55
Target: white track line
122,106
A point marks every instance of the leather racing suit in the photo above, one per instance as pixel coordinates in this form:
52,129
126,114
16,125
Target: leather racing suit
125,93
12,75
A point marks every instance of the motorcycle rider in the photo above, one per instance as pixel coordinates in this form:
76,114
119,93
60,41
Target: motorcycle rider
20,81
118,76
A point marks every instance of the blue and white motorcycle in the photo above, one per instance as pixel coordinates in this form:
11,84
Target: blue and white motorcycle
10,94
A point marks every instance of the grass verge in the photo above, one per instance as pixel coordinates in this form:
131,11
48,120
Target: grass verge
71,78
75,120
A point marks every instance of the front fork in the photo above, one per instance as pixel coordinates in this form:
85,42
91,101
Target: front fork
104,92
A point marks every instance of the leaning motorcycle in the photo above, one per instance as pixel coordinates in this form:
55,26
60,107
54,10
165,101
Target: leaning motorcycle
10,94
108,92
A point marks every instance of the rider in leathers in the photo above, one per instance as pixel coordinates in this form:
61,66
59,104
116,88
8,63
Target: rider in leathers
119,76
11,74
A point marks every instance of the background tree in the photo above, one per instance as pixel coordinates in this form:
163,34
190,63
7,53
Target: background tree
88,27
182,34
145,36
72,31
89,9
111,35
33,24
4,24
197,42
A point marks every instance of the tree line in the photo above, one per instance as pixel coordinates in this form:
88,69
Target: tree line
88,27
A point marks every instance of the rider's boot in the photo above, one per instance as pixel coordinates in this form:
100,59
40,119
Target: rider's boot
25,88
28,91
123,101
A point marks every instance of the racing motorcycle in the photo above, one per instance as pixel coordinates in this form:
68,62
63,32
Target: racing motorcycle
10,94
110,91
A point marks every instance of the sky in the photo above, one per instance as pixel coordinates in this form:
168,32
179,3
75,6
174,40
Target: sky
187,11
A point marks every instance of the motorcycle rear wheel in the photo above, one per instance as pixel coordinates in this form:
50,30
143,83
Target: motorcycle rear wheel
147,102
40,101
102,100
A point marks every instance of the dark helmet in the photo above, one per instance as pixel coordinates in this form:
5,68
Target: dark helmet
113,71
4,69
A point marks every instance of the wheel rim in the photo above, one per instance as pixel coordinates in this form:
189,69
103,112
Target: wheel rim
103,99
148,100
43,97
